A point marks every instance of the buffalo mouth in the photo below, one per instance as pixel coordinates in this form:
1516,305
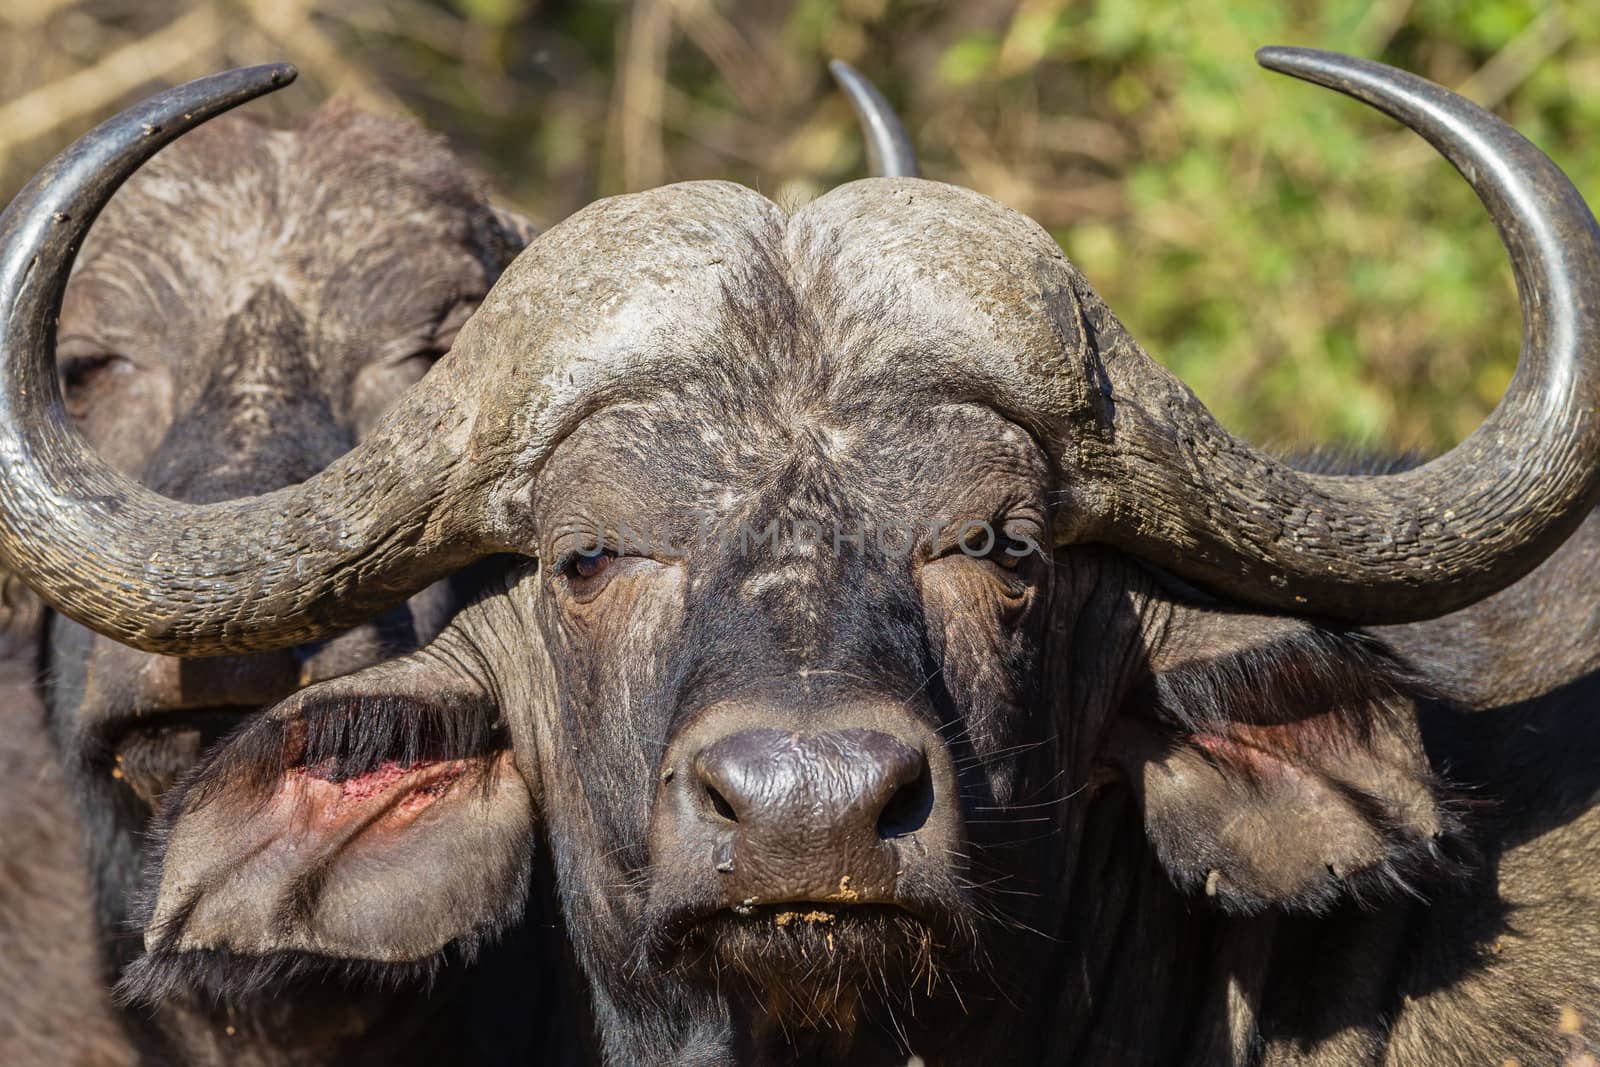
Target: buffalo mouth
791,941
818,967
812,963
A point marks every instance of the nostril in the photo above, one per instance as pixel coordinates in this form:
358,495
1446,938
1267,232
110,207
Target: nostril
719,803
908,809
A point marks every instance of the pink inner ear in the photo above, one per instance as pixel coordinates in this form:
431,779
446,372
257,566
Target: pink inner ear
1240,754
389,865
389,797
1232,752
1266,749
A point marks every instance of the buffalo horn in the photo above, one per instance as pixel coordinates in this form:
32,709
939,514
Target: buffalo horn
234,576
1429,540
889,151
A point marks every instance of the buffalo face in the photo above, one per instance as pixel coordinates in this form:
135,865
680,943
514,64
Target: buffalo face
791,638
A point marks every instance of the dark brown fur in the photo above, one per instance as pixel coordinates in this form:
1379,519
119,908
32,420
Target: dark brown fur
50,967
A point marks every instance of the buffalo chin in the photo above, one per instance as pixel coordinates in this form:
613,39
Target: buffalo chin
815,966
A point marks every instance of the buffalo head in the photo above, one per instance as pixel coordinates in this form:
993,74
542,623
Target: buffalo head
242,313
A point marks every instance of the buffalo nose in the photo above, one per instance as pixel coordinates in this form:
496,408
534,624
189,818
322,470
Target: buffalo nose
812,816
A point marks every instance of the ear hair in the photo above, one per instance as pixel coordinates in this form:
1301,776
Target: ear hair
350,736
1289,772
236,978
1342,675
342,736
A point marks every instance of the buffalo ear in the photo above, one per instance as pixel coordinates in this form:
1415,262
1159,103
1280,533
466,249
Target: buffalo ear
1279,764
514,230
375,823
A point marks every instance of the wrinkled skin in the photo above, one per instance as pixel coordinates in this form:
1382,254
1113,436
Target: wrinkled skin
244,310
1161,829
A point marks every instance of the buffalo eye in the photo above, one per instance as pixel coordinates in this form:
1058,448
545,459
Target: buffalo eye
436,343
1008,555
446,329
996,546
81,375
430,353
586,566
591,565
421,361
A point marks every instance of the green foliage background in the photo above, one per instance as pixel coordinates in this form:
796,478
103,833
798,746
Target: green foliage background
1313,272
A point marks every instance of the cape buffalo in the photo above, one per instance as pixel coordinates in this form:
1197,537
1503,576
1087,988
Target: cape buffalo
900,665
242,313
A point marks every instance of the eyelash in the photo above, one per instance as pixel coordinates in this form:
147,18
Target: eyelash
79,371
998,554
1005,560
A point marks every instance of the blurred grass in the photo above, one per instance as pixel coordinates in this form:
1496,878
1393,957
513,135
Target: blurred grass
1313,272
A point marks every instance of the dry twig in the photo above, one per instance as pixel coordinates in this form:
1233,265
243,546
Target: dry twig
640,95
95,89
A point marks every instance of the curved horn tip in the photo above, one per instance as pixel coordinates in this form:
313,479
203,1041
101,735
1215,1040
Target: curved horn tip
1333,70
280,73
251,82
889,151
1287,59
255,80
845,74
193,103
